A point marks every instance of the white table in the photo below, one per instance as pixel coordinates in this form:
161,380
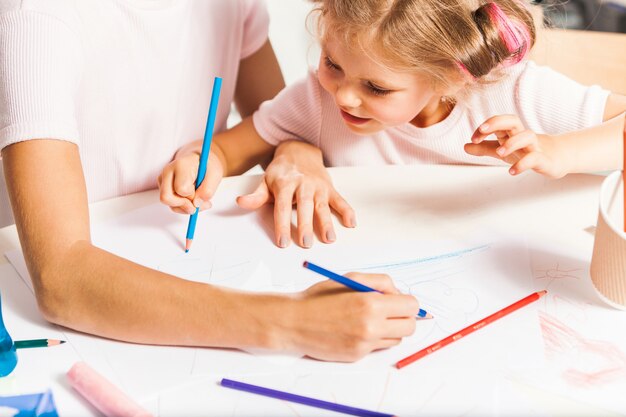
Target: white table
426,202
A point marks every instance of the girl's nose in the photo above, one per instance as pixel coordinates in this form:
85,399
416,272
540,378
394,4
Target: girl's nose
346,96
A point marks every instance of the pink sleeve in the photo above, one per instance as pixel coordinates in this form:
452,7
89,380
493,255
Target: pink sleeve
295,113
255,26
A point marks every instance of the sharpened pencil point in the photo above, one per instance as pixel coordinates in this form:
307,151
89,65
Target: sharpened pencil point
188,245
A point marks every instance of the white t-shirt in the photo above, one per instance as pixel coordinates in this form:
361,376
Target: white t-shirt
546,101
128,81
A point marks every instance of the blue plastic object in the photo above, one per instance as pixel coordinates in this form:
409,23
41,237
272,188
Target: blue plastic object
8,356
31,405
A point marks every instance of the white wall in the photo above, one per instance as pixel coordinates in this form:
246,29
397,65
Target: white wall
294,45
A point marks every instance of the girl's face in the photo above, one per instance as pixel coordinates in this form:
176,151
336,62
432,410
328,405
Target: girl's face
372,97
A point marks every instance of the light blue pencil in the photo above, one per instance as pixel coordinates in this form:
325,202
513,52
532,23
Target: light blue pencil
204,156
357,286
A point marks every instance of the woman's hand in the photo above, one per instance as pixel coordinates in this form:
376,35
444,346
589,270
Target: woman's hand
297,175
330,322
518,146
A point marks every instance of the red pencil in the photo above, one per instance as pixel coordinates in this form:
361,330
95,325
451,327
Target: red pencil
470,329
624,171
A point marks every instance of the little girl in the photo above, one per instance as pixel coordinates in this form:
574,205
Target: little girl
406,82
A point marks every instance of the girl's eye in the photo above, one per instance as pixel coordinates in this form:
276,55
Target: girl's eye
377,90
330,64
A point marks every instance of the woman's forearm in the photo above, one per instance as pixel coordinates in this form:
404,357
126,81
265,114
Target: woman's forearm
96,292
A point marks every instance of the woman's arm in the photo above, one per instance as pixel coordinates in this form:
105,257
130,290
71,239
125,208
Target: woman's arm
88,289
83,287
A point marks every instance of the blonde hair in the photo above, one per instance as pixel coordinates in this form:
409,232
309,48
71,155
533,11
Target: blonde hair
449,40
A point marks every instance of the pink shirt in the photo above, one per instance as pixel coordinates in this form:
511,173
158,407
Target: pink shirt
546,101
128,81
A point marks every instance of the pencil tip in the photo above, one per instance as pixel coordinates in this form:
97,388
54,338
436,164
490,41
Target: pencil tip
62,341
542,293
305,264
188,245
186,250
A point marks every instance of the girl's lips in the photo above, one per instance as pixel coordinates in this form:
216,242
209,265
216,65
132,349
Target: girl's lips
353,119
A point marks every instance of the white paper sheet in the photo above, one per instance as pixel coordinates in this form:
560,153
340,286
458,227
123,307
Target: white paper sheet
458,282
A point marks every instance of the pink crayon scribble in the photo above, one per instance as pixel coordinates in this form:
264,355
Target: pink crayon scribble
585,362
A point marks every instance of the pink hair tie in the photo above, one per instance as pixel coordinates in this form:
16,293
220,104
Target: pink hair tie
464,70
515,36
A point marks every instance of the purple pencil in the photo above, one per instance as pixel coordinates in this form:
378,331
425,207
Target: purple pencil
312,402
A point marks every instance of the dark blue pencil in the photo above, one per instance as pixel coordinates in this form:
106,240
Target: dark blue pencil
422,314
300,399
204,155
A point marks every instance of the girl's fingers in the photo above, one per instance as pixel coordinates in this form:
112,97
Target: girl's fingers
169,198
502,126
345,211
305,208
526,140
486,148
283,205
324,220
185,179
207,188
534,160
259,197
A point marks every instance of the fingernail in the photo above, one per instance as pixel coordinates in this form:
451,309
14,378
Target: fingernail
283,242
197,202
484,127
352,222
307,241
330,236
500,151
512,171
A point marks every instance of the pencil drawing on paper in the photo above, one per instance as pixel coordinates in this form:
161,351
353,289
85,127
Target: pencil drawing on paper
583,362
435,280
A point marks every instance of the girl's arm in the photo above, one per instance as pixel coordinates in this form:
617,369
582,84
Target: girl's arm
259,79
88,289
597,148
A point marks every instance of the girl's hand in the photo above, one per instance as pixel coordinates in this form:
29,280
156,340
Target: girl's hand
297,175
177,182
331,322
518,146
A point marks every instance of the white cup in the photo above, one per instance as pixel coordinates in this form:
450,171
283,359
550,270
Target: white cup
608,262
